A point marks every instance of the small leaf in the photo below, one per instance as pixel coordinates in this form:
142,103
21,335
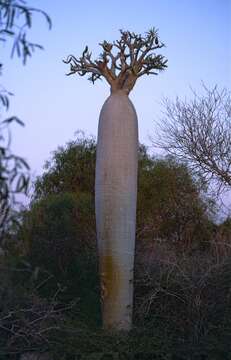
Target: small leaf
14,118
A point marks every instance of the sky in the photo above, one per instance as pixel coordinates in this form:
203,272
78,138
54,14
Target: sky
197,35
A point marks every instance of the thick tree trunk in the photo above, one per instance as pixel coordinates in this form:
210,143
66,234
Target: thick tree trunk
115,197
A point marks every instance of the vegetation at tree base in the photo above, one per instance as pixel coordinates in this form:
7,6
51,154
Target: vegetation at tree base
182,276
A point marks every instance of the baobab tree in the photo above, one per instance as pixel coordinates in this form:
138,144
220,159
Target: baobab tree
121,64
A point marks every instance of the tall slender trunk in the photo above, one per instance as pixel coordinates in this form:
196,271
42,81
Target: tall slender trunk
115,198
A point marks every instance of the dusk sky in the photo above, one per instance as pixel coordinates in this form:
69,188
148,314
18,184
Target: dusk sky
197,34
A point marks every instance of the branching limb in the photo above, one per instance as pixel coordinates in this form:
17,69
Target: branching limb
199,132
122,61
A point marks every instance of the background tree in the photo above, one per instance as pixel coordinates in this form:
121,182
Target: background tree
199,132
172,204
70,217
121,64
71,169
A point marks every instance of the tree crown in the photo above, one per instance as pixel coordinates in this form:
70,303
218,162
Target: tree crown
122,62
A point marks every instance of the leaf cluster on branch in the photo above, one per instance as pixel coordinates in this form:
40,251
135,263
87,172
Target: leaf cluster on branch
122,62
15,19
14,176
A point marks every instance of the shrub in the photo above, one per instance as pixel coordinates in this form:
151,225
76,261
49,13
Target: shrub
59,233
187,299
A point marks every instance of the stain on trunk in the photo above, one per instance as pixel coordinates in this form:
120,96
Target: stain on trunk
110,278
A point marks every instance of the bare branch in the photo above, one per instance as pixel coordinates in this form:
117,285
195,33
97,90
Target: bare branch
199,132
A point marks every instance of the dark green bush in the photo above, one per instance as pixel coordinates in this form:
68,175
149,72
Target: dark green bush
58,237
57,229
171,202
171,205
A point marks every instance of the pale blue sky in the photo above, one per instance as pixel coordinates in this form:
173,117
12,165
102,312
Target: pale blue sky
197,34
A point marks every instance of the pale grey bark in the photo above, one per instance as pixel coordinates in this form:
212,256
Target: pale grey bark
116,192
121,64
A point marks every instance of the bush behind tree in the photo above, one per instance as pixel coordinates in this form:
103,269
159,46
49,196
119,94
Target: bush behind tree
172,204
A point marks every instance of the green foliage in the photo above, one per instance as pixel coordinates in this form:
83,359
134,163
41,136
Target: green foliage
58,237
71,169
57,229
171,203
14,178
